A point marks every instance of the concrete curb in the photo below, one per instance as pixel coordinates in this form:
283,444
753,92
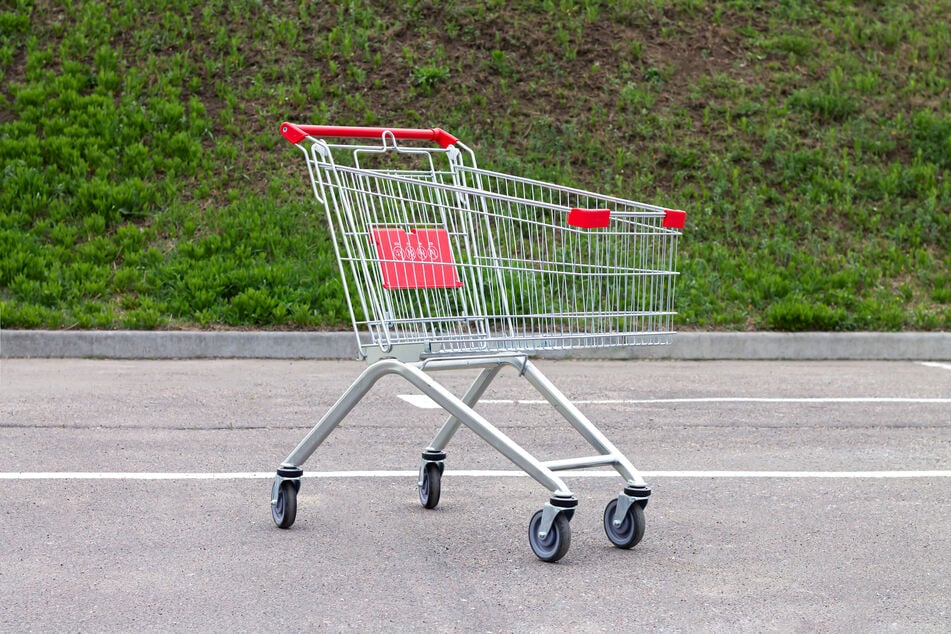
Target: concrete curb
917,346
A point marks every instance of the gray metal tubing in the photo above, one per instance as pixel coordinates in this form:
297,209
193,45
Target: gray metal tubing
470,398
445,399
514,359
559,401
580,463
578,420
490,368
338,411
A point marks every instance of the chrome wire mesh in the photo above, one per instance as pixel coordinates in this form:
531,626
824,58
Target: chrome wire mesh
460,259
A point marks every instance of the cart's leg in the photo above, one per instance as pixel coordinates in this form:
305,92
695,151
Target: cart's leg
354,394
584,427
429,481
485,430
624,516
470,398
549,531
287,481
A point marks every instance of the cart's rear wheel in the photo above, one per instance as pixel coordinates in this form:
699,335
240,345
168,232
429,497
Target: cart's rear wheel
284,509
631,530
555,544
430,485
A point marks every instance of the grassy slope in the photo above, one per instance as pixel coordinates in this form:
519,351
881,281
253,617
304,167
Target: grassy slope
143,183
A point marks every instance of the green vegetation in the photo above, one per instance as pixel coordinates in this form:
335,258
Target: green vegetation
143,183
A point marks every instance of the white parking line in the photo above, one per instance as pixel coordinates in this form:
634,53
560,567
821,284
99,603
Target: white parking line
470,473
733,399
420,400
935,364
130,475
424,402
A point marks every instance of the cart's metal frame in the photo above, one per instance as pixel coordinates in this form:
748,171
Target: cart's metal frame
414,356
462,413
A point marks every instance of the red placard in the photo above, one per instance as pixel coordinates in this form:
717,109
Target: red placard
421,258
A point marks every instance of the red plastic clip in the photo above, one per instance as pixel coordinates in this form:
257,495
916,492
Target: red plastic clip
674,218
589,218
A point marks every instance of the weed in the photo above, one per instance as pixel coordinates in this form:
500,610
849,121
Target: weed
143,185
428,76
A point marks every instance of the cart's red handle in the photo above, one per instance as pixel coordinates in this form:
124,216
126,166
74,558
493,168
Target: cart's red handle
295,133
601,218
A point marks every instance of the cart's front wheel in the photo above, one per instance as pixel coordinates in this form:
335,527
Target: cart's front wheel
429,485
631,529
284,506
555,544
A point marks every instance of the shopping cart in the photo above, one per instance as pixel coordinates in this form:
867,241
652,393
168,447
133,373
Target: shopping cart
454,267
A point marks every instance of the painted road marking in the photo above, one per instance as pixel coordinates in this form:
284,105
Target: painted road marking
935,364
471,473
424,402
420,400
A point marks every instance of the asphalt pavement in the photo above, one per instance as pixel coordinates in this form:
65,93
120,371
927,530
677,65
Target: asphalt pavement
787,496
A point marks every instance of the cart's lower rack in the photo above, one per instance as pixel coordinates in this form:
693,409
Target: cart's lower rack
411,351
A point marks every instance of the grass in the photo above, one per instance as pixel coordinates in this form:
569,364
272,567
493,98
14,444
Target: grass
143,183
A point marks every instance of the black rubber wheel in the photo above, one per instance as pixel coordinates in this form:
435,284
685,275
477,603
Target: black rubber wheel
631,530
284,512
556,543
430,488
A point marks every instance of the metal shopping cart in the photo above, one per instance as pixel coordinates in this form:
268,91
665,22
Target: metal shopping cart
454,267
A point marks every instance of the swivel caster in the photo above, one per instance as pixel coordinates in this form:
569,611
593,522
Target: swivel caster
549,531
284,497
430,476
624,521
554,545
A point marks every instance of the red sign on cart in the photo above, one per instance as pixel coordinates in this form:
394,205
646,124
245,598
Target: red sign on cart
421,258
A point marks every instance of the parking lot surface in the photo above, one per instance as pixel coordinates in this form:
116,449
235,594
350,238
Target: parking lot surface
787,496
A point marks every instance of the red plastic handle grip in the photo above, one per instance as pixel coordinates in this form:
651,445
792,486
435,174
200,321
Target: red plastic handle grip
295,133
